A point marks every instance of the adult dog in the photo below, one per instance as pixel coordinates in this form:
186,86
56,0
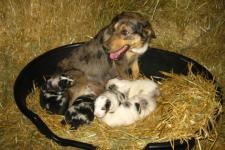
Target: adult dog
112,52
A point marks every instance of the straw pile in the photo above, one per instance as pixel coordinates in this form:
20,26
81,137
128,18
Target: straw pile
185,108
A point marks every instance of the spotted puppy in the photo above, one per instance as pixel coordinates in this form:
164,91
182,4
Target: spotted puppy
80,112
53,94
104,57
119,107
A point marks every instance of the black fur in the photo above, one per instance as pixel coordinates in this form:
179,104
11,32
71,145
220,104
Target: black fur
138,107
56,104
107,105
80,112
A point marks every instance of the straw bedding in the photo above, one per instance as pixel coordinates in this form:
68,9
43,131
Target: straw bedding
185,108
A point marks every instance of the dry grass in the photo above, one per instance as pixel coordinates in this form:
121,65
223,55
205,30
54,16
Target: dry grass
30,27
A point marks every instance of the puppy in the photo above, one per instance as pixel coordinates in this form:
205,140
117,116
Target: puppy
104,57
80,112
130,111
54,96
119,107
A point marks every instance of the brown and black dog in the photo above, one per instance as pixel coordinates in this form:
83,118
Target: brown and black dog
113,52
130,35
121,42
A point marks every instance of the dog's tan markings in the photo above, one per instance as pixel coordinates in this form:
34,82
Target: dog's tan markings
116,43
133,63
125,30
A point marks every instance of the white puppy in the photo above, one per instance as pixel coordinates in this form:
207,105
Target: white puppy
125,101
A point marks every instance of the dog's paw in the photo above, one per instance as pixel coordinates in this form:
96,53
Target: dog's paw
81,112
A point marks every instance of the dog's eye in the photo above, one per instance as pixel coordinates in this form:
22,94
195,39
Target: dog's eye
125,32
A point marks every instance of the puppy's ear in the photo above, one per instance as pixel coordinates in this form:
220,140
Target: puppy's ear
121,97
138,107
107,105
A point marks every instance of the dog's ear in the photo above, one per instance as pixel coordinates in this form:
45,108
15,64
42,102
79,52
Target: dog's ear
118,17
147,27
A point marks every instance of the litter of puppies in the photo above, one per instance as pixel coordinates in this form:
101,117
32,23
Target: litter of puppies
185,107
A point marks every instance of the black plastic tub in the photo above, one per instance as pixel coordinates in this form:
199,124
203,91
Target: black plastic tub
151,63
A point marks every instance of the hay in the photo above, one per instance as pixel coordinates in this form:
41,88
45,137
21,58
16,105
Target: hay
185,108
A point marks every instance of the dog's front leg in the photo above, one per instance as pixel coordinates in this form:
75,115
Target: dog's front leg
122,68
135,69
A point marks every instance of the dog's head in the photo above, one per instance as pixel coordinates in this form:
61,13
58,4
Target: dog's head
127,31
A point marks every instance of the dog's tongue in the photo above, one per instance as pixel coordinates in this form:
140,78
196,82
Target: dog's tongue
116,55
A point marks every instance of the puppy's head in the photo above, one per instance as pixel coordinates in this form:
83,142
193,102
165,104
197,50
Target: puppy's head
127,31
105,103
58,83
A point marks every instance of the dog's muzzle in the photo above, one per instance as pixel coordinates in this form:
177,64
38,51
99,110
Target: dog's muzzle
116,55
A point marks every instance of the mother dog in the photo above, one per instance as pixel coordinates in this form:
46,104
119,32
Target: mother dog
112,52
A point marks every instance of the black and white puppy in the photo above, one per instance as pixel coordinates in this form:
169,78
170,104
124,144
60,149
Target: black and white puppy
53,94
80,112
